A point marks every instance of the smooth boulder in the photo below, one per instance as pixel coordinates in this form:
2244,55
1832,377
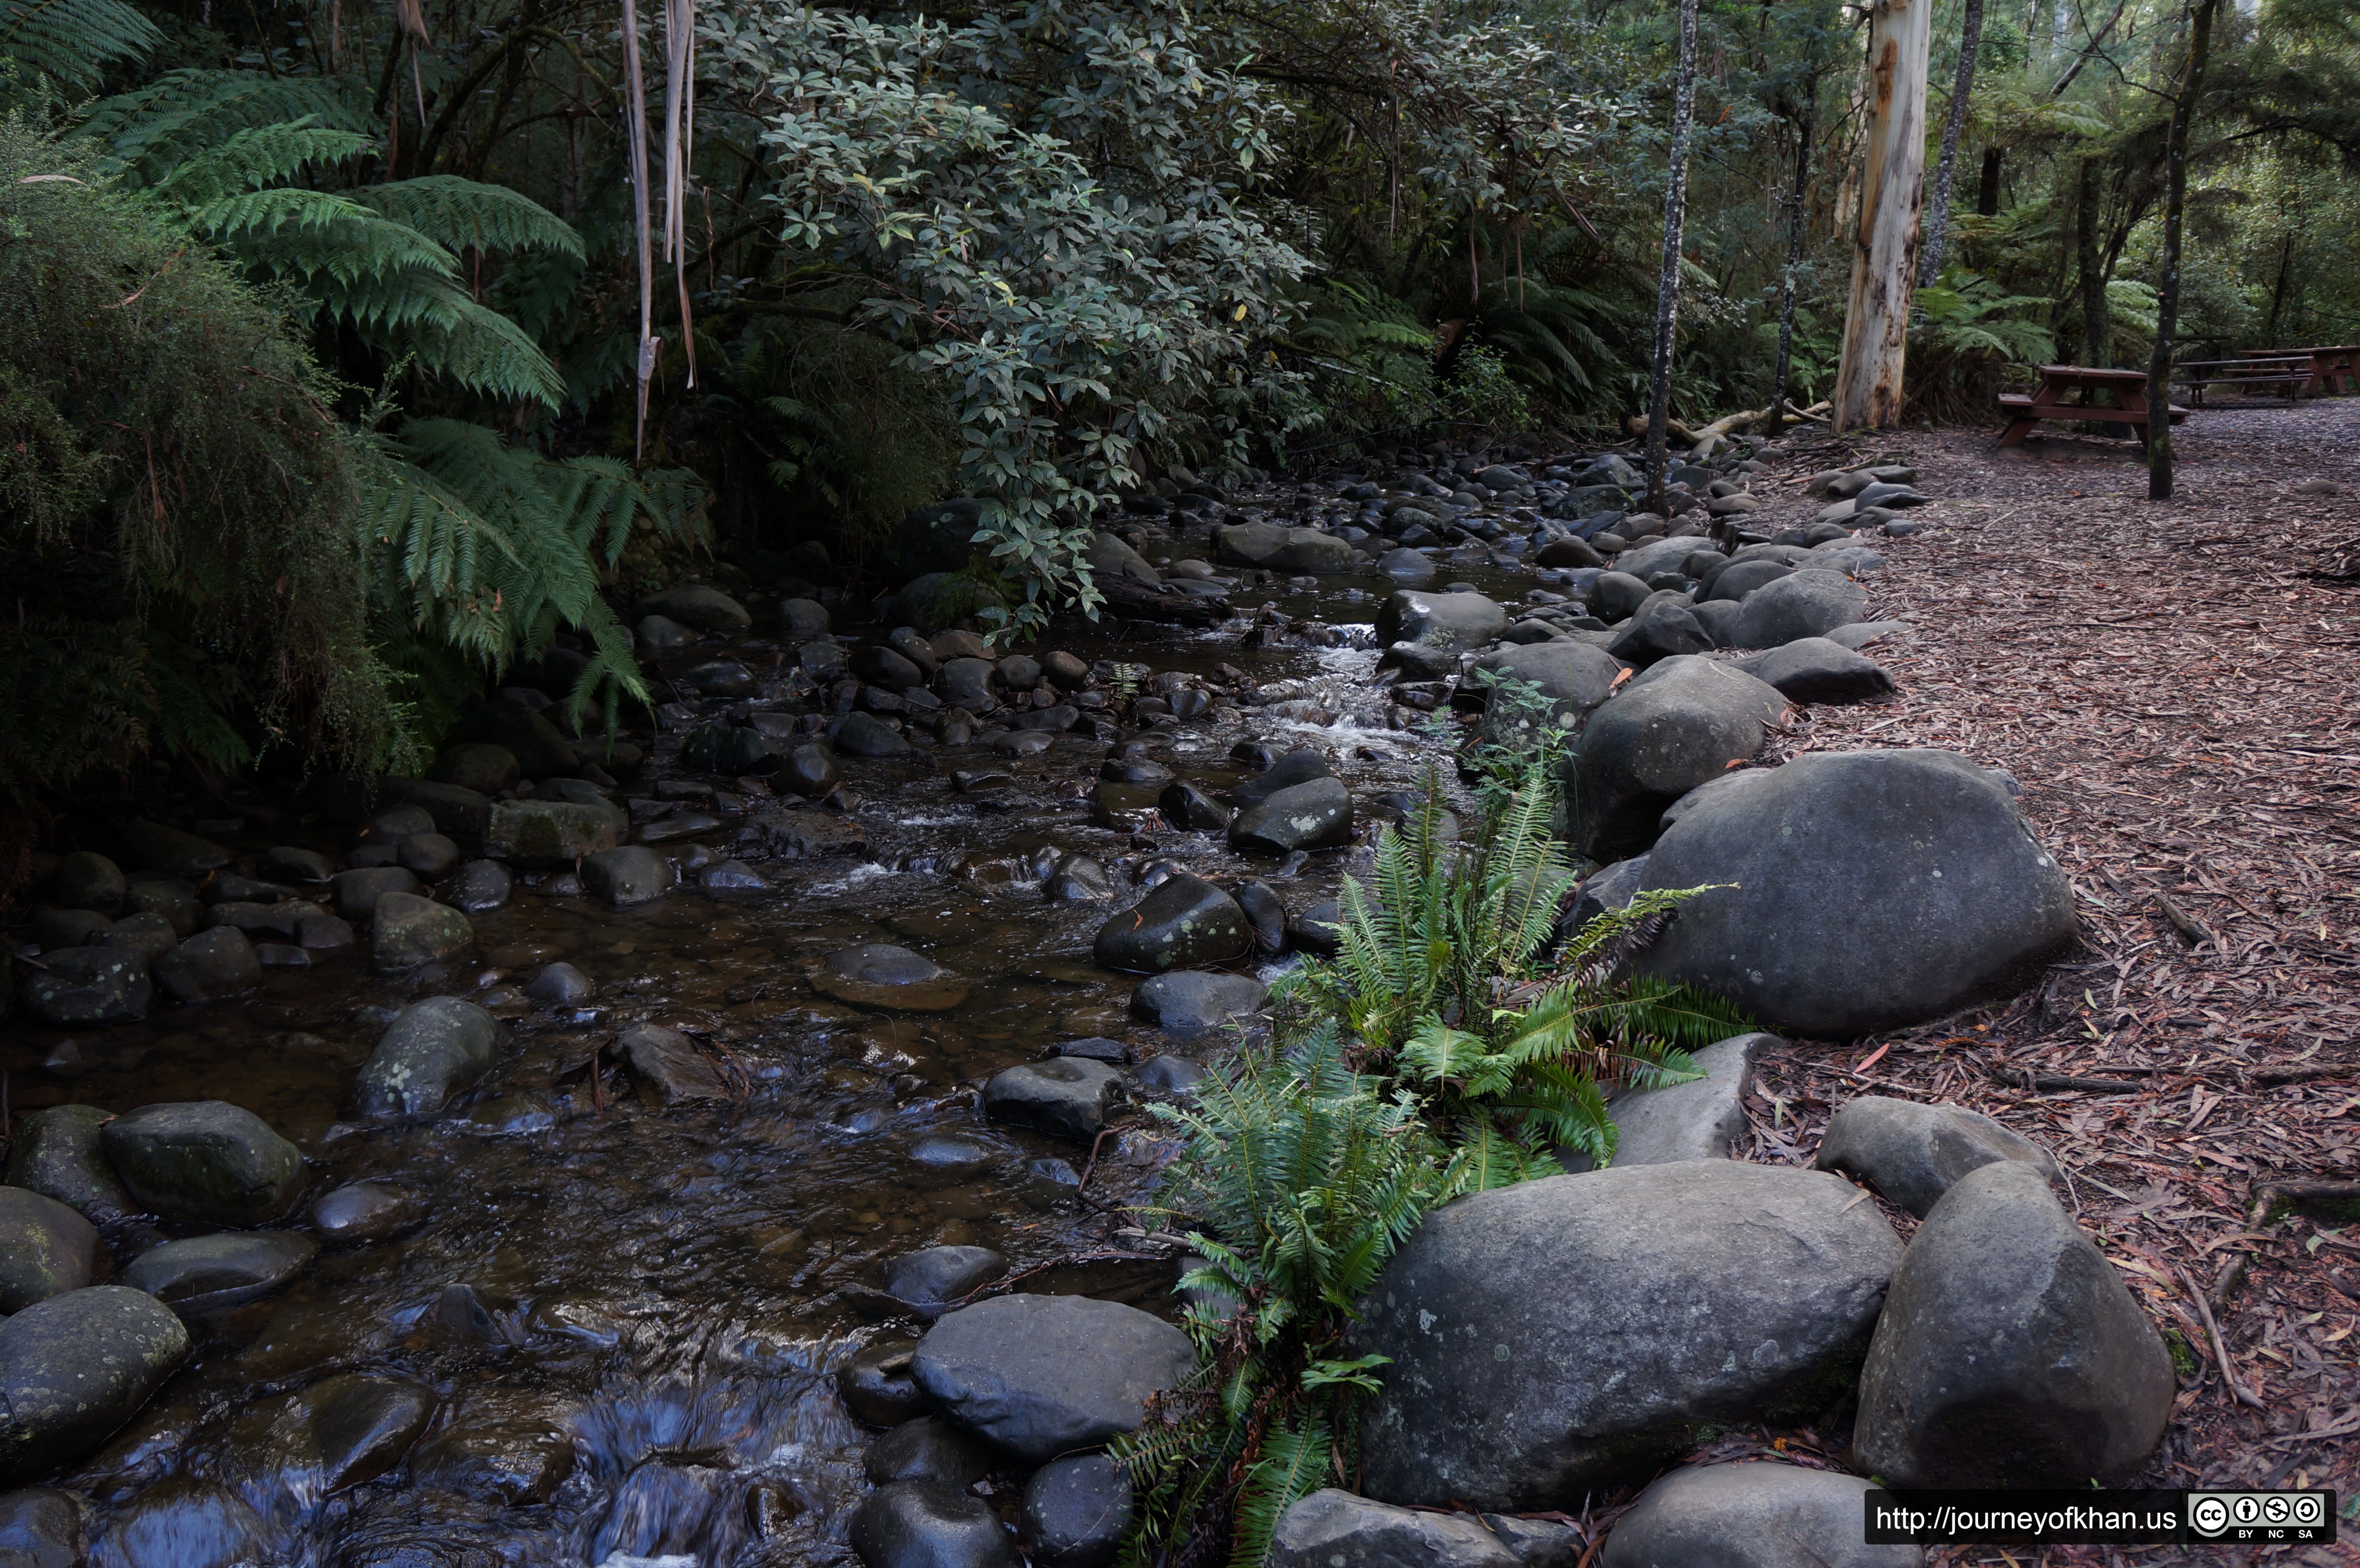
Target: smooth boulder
1813,669
2010,1353
1696,1120
1183,921
46,1249
408,931
430,1050
1541,685
209,965
205,1161
1441,620
1866,890
76,987
932,1276
1764,1515
708,609
56,1152
1043,1375
1196,999
1076,1512
632,874
1914,1153
1663,735
925,1524
76,1367
878,975
1064,1096
1313,815
548,832
1332,1527
199,1273
1806,602
1552,1336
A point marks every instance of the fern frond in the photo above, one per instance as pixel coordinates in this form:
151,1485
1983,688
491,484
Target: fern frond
163,123
466,214
1292,1465
72,41
266,155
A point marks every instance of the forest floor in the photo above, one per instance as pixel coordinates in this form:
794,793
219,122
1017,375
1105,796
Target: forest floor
2176,688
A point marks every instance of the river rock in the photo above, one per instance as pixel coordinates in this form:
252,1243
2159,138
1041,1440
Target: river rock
1806,602
1665,628
927,1449
55,1152
357,891
40,1527
478,888
1441,620
1332,1527
540,749
672,1061
1110,557
1043,1375
1873,890
549,833
76,1367
1265,912
1752,1516
860,735
1697,1120
1315,815
461,813
1063,1096
408,931
1190,809
54,930
932,1276
1284,549
211,965
697,604
625,877
1733,582
809,770
879,1386
88,880
1569,550
1183,920
346,1430
1554,1335
476,765
1403,565
205,1161
924,1524
940,600
46,1249
1298,767
1076,1512
1078,879
154,847
877,975
801,621
367,1211
1553,683
1813,669
1196,999
79,986
175,901
1914,1153
1684,721
200,1273
432,1049
2010,1353
1318,930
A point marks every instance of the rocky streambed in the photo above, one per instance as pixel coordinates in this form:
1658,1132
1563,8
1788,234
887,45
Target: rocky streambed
709,1141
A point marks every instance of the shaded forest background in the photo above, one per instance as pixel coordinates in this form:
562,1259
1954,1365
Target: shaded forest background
358,352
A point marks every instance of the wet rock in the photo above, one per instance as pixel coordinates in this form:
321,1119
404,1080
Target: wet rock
933,1277
1110,557
797,835
1914,1153
927,1449
1664,628
1318,930
40,1527
79,986
56,1153
1078,879
540,749
1076,1512
801,621
479,887
809,770
1332,1527
1660,736
391,826
549,833
859,734
1316,815
323,933
733,749
1173,1075
510,1457
1017,743
731,876
477,764
821,660
461,813
1565,680
1066,671
1697,1120
940,600
922,1524
175,901
204,1272
623,877
408,931
346,1430
877,975
367,1211
1183,920
2010,1353
281,919
1752,1516
209,965
1537,1543
1299,766
1808,603
1441,620
884,667
1572,550
1813,669
1043,1375
46,1249
186,1523
1405,566
672,1061
719,677
154,847
1063,1096
356,892
1873,890
1284,549
1134,770
879,1384
1550,1336
204,1160
1266,913
1193,999
56,930
432,1049
76,1367
88,880
708,609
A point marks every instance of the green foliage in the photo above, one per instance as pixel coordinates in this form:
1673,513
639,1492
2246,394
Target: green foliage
72,41
1968,329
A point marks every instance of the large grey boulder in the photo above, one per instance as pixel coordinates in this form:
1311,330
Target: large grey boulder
408,931
41,1527
1043,1375
56,1152
549,833
1313,815
1914,1153
88,880
1110,557
1734,580
1076,1512
1284,549
1813,669
925,1524
205,1161
1655,740
1064,1096
209,965
432,1049
633,874
46,1249
697,604
1198,999
346,1430
76,1367
76,987
1552,1336
1696,1120
1806,602
1441,620
1542,683
1183,921
1752,1516
1333,1527
2010,1353
1864,891
1665,628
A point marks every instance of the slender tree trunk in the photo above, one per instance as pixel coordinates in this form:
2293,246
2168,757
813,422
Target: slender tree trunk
1794,255
1987,191
2277,292
2097,330
1668,287
2166,294
1962,86
1884,246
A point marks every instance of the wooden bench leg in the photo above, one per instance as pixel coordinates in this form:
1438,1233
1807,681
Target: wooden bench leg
2017,428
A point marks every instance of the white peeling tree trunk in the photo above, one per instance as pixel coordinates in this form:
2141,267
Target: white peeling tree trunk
1884,243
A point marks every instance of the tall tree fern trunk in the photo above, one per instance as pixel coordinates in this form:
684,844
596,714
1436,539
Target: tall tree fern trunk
1668,287
2166,294
1884,245
1962,86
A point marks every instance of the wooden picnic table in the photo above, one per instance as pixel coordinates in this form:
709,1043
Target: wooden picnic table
2052,400
2331,369
2285,374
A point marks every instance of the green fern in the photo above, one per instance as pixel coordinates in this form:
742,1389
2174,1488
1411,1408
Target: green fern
72,41
1292,1465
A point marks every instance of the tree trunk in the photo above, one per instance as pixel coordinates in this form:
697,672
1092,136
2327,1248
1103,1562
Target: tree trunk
1794,257
1962,86
2166,294
1884,246
1668,287
2097,330
1987,193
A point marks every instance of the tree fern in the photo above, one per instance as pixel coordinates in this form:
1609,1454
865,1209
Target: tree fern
164,122
72,41
464,214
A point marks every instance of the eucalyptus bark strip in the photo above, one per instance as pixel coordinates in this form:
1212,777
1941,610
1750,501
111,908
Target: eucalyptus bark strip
1884,245
1668,287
